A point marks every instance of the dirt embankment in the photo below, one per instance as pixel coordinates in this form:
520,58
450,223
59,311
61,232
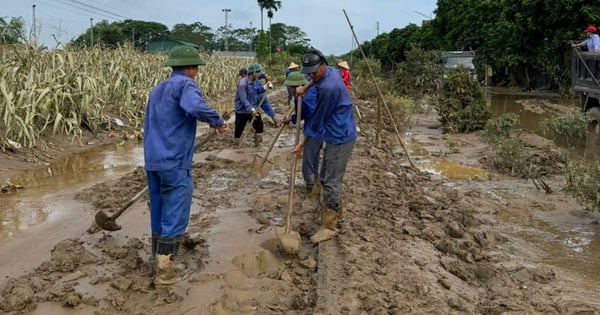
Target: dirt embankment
410,243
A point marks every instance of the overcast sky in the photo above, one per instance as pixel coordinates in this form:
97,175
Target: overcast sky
322,20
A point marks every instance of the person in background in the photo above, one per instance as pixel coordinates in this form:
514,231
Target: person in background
312,148
291,68
174,106
333,114
345,74
592,43
244,106
261,89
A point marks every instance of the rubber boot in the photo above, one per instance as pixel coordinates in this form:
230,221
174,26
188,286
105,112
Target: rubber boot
316,190
155,237
328,228
257,139
329,219
166,272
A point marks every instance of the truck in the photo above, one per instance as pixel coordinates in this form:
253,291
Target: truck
455,59
585,80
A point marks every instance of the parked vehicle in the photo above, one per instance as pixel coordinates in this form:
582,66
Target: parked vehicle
456,59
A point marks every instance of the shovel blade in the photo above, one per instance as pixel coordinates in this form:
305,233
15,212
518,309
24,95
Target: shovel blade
106,222
260,166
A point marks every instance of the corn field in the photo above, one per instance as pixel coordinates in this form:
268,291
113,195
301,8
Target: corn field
68,91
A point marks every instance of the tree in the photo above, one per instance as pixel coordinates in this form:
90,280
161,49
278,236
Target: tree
269,5
246,35
117,33
289,37
196,33
13,31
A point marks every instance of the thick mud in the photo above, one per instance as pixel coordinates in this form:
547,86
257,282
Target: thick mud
410,242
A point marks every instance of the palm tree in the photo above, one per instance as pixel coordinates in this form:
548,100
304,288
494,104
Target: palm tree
270,6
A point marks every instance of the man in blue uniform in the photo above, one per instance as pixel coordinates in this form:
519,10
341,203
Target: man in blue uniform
265,106
245,107
333,114
311,150
174,106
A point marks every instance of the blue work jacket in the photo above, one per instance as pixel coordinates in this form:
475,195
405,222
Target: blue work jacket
173,108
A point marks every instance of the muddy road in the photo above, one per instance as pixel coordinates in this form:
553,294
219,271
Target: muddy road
453,237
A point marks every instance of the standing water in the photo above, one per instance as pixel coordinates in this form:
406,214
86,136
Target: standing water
43,197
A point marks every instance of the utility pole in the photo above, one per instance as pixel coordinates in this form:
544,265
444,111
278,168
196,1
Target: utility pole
250,44
226,29
91,32
33,32
377,27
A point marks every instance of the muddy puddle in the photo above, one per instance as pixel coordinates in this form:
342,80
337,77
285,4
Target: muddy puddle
46,190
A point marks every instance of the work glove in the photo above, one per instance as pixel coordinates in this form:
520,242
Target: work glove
255,112
269,85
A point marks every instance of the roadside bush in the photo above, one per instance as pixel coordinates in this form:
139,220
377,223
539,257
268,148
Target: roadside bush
569,129
583,182
507,153
420,74
461,103
401,108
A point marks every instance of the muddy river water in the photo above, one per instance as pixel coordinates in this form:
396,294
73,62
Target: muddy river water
48,194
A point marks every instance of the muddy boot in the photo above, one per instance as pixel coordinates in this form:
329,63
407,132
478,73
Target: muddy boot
328,228
316,190
257,139
166,272
155,238
329,219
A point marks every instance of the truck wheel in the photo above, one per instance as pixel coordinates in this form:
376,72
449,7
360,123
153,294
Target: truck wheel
593,131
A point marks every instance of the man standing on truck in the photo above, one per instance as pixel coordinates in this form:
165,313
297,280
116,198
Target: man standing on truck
592,42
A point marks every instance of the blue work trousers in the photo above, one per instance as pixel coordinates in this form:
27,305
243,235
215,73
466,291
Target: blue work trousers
335,160
170,201
310,161
266,106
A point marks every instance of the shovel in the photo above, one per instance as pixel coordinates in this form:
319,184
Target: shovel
290,240
258,163
249,126
107,222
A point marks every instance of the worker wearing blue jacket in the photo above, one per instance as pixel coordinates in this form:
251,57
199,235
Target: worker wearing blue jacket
174,106
244,105
311,150
265,106
334,115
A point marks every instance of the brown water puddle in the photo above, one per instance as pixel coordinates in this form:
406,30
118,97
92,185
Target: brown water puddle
47,189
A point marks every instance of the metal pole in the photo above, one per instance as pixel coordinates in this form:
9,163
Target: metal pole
226,29
91,32
250,44
32,33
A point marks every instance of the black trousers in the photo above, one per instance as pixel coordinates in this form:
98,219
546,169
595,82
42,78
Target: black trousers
242,119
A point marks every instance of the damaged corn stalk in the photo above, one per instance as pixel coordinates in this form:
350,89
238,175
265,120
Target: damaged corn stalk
72,90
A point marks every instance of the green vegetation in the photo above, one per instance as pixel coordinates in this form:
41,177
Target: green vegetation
420,74
506,152
461,103
583,182
570,129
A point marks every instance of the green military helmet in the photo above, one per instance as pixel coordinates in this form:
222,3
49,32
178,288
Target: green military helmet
254,68
295,79
181,56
